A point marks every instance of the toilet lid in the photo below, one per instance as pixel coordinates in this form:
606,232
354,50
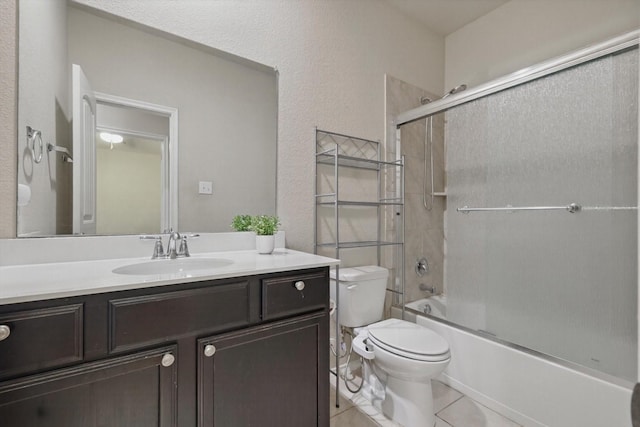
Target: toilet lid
409,340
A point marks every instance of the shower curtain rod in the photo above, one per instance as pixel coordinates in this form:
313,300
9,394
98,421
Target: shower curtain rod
571,208
525,75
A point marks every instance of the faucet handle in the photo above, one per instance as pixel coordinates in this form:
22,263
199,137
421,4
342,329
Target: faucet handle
184,248
158,250
149,236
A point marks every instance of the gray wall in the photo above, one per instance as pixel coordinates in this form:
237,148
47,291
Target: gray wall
8,114
520,33
44,95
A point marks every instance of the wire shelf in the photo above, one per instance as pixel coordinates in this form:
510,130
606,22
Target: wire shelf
329,158
348,146
357,203
360,244
334,152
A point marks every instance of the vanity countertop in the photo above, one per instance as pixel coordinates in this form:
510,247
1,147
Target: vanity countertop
32,282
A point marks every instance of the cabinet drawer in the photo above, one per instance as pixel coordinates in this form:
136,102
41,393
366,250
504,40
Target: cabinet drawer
40,339
281,296
151,319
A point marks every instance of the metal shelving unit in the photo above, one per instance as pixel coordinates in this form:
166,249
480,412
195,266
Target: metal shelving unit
334,153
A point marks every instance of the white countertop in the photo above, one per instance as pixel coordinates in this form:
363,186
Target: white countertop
32,282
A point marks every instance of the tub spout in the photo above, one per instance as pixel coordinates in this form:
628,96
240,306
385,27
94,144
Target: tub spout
426,288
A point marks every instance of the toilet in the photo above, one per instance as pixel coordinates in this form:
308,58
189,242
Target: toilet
401,357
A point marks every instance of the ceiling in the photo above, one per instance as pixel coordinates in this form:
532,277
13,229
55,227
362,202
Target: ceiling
446,16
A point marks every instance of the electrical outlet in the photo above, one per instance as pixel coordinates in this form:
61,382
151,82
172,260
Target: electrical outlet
205,187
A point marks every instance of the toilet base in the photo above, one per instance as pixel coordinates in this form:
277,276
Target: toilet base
409,403
405,402
395,382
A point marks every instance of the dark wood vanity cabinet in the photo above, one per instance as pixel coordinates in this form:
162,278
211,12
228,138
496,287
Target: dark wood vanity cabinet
269,376
132,390
249,351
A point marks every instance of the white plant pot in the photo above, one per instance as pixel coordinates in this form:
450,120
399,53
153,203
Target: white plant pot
265,244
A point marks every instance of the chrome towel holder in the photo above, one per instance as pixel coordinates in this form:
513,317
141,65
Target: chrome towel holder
66,155
34,140
36,146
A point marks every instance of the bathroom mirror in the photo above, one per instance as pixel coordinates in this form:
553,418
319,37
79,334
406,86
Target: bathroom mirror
212,150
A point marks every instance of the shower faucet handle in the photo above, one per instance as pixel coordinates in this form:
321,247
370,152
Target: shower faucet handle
422,267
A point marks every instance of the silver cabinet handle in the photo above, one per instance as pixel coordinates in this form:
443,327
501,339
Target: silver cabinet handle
5,331
209,350
167,360
299,285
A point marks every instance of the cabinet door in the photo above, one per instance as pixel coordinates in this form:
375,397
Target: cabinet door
41,339
136,390
274,375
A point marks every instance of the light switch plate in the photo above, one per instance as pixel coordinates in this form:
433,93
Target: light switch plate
205,187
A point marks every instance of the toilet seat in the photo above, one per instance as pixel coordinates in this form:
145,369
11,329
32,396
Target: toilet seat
409,340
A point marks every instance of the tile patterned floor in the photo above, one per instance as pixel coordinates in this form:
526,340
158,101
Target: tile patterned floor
453,409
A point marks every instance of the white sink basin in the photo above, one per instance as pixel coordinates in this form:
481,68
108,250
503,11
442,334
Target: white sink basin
172,266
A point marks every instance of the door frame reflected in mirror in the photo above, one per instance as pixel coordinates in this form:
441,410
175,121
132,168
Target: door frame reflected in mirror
169,212
138,165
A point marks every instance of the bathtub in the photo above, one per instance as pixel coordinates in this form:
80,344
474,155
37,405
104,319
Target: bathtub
521,384
434,306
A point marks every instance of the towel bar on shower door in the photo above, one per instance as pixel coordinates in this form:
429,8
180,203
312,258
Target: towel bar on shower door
571,208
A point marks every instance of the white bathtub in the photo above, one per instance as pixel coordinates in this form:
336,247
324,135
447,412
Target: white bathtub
529,389
434,306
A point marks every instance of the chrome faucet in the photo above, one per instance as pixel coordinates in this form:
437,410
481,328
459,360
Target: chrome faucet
173,249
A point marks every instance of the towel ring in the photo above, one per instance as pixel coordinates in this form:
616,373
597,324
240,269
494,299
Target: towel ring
34,138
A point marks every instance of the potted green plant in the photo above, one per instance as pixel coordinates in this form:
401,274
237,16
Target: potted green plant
265,227
241,222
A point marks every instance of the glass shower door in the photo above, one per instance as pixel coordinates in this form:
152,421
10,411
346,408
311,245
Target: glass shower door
560,283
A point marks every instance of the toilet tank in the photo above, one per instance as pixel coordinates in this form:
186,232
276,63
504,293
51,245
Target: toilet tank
362,292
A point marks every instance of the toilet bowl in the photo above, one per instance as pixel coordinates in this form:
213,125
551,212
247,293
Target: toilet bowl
403,357
400,357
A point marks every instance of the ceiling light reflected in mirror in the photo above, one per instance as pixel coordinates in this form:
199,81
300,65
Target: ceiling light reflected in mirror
111,138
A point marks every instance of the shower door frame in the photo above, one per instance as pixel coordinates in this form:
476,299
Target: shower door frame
625,41
519,77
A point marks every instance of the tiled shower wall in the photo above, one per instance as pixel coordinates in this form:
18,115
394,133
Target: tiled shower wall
424,228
